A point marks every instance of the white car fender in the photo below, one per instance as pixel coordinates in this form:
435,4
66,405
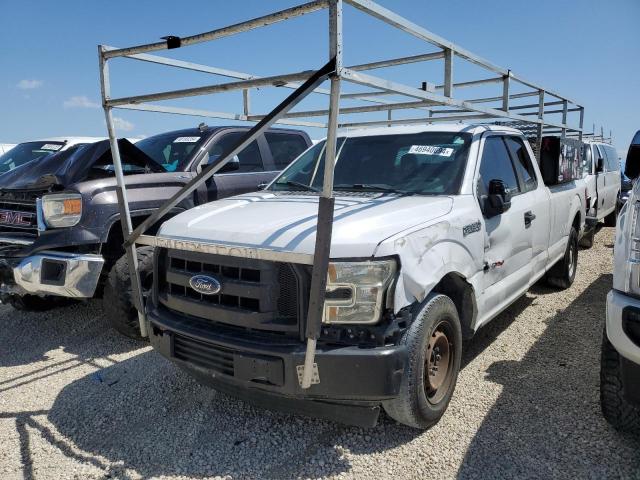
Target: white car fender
427,255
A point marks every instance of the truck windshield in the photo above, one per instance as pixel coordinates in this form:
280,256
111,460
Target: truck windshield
26,152
428,163
171,150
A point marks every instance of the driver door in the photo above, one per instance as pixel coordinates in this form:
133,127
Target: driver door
508,250
250,174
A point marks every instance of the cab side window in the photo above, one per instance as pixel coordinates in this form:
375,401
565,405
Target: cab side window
250,158
285,147
612,158
599,153
522,161
496,164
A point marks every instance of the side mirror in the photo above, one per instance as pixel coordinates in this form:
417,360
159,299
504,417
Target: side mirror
600,165
232,165
632,165
498,200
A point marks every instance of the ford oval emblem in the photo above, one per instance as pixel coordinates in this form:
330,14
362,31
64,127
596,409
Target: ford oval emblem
205,284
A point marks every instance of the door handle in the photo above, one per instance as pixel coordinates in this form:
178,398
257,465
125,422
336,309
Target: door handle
528,218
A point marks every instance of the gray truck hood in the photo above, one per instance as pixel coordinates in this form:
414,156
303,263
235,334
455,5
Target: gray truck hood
287,221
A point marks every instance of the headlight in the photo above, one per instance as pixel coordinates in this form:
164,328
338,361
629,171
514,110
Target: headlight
62,209
356,291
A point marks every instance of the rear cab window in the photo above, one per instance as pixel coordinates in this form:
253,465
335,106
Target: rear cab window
285,147
523,163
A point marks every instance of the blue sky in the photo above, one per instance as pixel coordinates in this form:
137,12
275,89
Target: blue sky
585,49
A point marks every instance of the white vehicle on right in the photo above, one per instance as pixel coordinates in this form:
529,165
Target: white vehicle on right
602,176
620,364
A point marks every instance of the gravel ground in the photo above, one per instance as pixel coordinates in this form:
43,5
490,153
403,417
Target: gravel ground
79,401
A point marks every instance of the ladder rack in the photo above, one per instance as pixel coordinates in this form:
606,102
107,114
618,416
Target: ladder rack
430,102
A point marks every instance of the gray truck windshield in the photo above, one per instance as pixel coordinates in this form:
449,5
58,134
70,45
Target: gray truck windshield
429,163
26,152
171,150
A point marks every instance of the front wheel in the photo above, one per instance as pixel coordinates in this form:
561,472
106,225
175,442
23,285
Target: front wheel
434,345
118,297
616,409
563,273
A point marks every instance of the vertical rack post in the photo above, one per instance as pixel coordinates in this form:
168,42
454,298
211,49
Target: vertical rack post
125,214
246,102
581,123
326,202
541,119
448,72
506,80
565,108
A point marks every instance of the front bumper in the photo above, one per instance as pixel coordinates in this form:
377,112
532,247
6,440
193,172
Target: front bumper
353,380
54,273
618,305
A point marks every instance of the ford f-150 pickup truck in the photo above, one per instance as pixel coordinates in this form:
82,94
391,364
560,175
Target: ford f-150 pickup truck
60,232
436,230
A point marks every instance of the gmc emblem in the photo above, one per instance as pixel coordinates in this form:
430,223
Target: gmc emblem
19,219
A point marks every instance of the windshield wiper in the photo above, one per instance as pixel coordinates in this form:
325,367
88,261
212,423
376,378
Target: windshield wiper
292,183
376,187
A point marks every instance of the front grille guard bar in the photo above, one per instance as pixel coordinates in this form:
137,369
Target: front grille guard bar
380,96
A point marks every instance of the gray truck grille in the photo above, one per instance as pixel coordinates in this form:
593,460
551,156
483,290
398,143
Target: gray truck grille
255,294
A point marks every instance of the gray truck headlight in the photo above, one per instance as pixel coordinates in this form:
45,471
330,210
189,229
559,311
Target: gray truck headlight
62,209
356,291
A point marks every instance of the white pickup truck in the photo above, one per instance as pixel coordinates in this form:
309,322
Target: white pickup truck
437,229
620,359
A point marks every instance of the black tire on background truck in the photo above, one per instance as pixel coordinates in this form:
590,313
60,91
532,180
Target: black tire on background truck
434,352
587,239
118,300
563,273
610,220
616,409
34,303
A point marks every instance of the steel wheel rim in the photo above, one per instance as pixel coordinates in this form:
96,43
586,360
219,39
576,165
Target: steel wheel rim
572,260
438,368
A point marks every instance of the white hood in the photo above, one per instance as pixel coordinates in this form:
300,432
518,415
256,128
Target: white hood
287,221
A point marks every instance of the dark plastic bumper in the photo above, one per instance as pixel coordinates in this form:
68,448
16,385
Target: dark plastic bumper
353,381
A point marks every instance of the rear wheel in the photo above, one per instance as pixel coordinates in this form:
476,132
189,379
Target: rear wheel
610,220
587,239
563,273
621,414
434,344
118,297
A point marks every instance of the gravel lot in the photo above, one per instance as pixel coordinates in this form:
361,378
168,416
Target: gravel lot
79,401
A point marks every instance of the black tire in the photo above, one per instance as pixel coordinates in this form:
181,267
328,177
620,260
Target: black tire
34,303
587,239
563,273
610,220
621,414
118,300
419,405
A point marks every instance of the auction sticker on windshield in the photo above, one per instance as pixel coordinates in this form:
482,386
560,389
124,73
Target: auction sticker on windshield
431,150
51,146
186,140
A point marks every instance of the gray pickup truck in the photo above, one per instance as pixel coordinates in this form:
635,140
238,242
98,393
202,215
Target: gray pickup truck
60,232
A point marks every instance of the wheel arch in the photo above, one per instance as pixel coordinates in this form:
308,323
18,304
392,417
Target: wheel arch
461,292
